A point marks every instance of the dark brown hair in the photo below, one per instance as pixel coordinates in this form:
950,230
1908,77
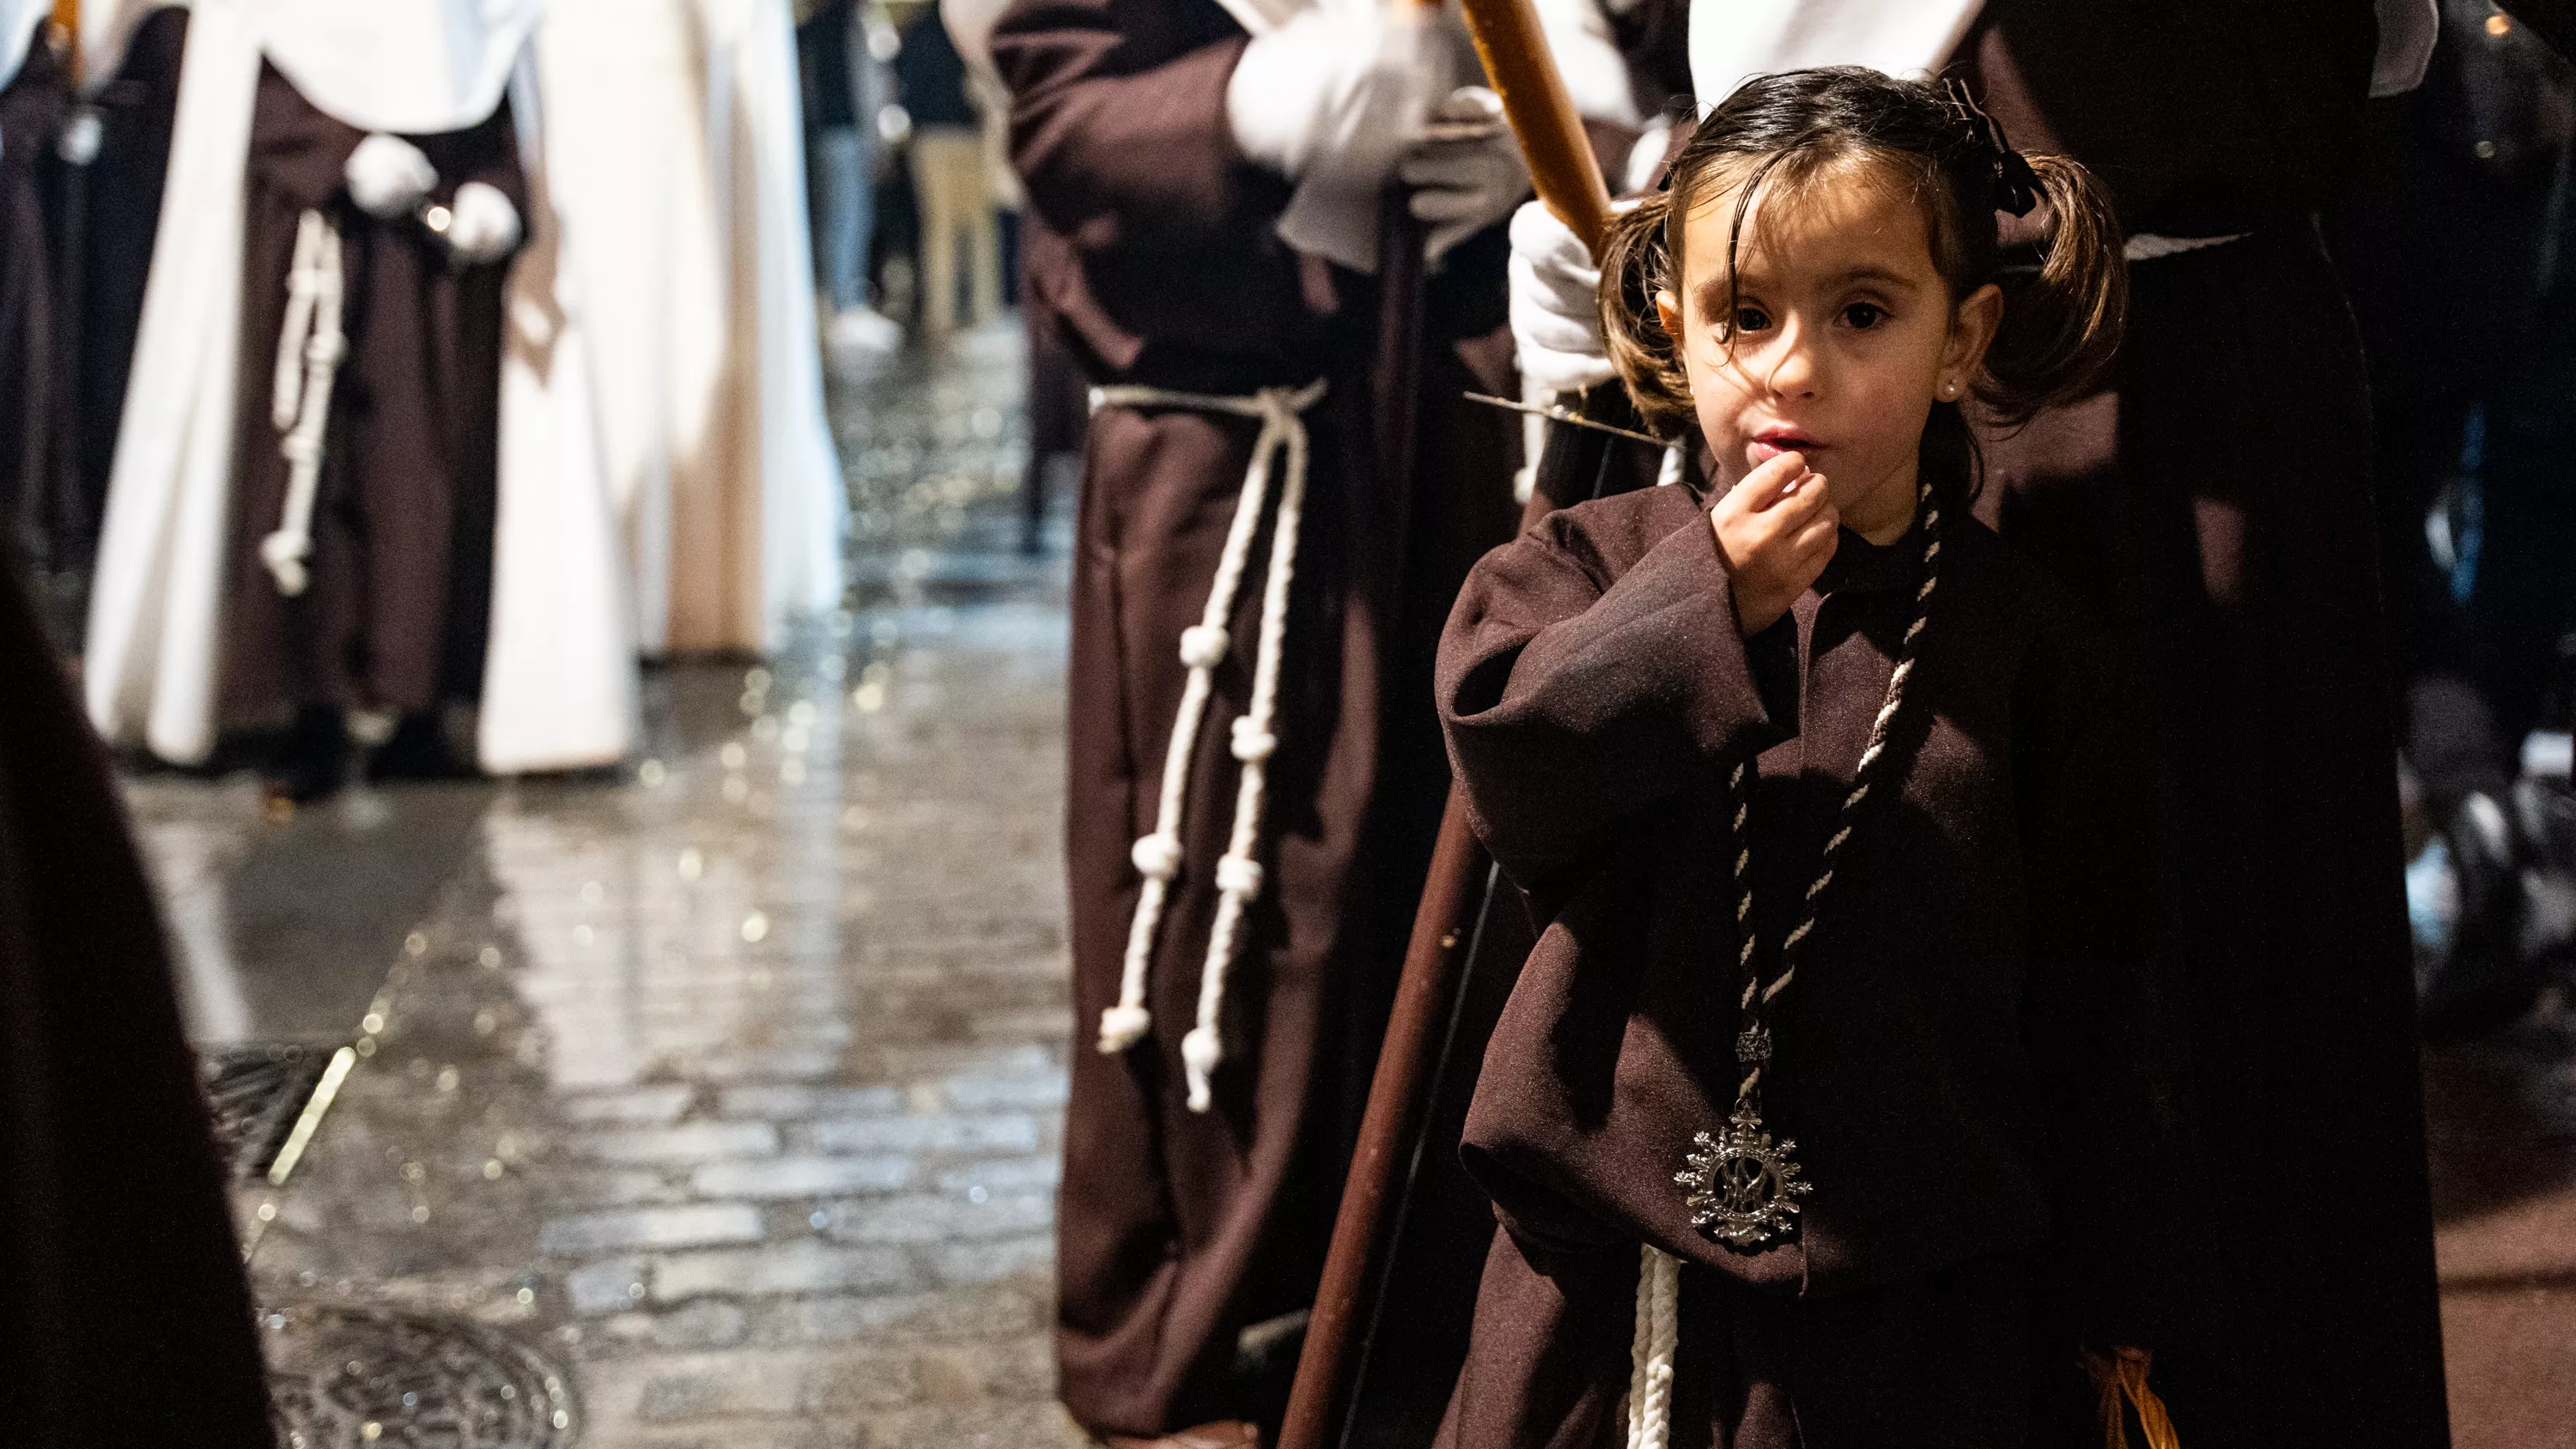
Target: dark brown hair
2061,321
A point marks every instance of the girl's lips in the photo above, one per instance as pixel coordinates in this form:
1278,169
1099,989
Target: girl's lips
1767,446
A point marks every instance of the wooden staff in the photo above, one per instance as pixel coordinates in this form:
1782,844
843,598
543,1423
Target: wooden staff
1568,178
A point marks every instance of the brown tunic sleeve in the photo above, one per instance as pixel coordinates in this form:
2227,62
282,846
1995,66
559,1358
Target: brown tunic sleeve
1119,127
1571,701
1156,248
2101,1023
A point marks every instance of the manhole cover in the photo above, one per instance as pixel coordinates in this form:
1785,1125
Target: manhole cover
257,1092
369,1378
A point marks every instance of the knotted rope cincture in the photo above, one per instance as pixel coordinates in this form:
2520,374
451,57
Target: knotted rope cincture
309,349
1158,856
1659,1274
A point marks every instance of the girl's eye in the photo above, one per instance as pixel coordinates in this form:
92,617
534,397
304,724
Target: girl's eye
1862,316
1751,319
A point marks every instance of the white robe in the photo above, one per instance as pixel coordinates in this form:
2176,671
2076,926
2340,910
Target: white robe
559,683
680,161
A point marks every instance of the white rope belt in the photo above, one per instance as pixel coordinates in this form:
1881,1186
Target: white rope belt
1158,856
309,349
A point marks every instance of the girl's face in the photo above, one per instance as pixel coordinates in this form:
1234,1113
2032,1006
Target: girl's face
1842,336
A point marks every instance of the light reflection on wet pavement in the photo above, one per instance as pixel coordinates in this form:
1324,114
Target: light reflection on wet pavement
715,1101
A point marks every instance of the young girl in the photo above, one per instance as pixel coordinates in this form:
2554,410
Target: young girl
1832,1109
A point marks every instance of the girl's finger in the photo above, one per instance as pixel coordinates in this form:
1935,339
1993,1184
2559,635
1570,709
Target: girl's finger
1769,483
1810,495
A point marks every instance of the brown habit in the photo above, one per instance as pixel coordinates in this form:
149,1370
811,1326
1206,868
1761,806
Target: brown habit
1157,253
400,599
124,1319
1969,1058
2214,503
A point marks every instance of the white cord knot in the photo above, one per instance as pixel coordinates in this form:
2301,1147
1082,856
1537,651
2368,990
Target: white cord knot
1157,856
483,225
299,448
1200,1052
284,553
1239,876
1123,1026
1203,646
387,176
1253,742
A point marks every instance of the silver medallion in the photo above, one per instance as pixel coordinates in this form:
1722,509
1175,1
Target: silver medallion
1744,1187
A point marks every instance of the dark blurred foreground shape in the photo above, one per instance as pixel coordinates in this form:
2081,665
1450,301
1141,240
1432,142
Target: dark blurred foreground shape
125,1322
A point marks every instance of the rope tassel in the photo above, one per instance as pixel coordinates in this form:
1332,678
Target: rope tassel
1158,857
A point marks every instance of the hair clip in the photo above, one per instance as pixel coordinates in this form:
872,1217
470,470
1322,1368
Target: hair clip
2015,184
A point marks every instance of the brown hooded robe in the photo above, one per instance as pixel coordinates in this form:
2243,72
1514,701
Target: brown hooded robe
1152,242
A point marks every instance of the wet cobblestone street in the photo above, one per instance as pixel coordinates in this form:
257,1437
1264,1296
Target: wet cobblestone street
712,1103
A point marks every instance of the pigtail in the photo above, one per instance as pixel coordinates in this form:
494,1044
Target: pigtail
1636,263
2061,326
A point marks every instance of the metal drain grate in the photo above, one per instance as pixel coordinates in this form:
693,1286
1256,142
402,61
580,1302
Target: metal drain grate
375,1378
257,1092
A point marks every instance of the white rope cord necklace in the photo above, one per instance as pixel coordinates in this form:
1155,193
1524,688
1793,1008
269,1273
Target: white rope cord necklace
1744,1185
309,348
1158,856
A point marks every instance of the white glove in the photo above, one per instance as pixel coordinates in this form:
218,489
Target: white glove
482,225
388,176
1466,172
1556,303
1332,100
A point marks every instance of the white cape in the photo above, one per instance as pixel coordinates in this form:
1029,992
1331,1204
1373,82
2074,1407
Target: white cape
420,66
559,685
1733,40
679,160
19,20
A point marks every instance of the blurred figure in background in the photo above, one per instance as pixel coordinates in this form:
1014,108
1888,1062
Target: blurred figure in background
356,490
845,86
1057,402
112,157
2453,234
35,91
678,152
949,168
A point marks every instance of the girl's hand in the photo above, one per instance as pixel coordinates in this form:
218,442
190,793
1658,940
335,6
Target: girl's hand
1776,529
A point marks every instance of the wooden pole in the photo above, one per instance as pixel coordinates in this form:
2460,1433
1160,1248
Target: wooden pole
1568,179
1562,168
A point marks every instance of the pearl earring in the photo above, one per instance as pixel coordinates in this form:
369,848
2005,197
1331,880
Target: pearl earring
1949,390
